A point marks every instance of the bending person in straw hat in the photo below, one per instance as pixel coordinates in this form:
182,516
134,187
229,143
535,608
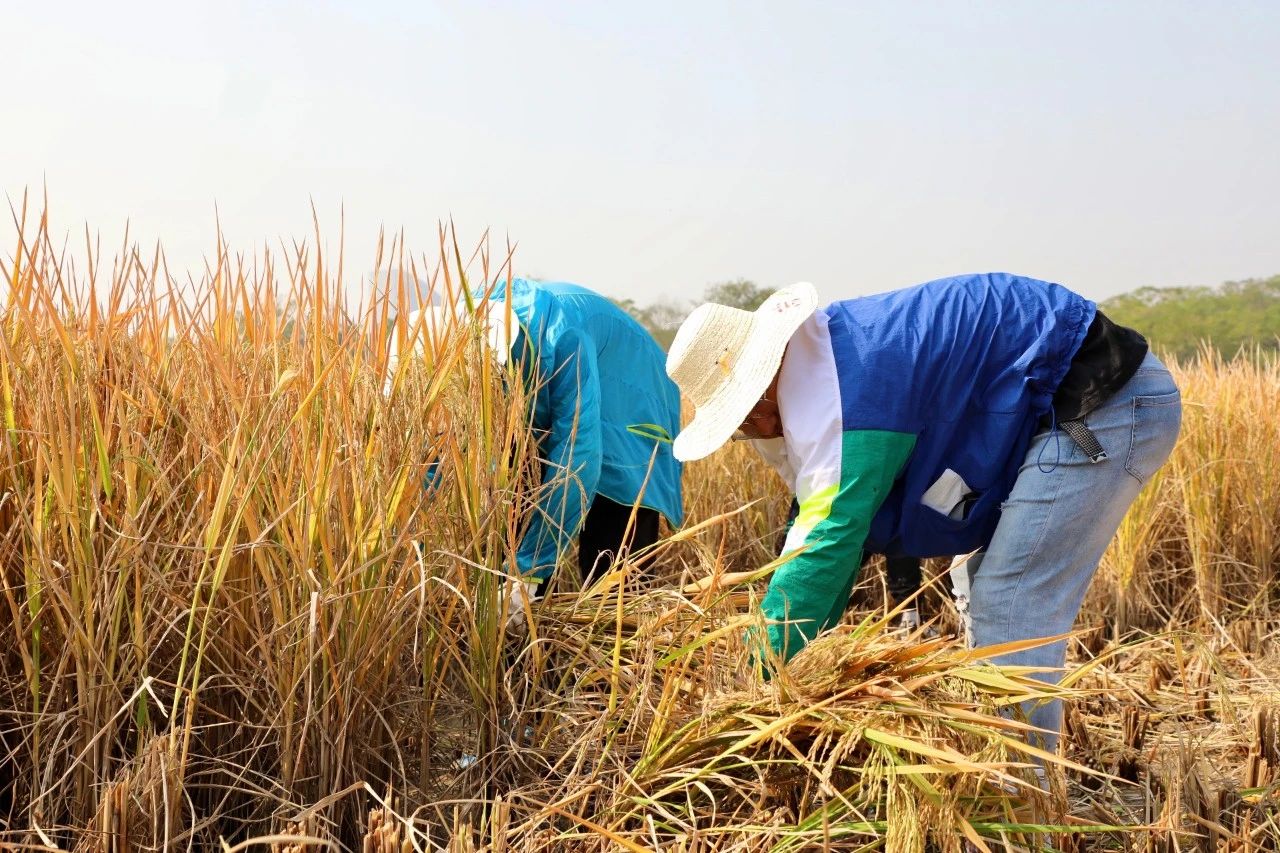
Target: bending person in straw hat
990,412
603,413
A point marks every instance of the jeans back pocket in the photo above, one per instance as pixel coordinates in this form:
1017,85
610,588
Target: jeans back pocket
1156,421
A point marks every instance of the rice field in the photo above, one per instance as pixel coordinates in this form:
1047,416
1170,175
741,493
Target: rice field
235,619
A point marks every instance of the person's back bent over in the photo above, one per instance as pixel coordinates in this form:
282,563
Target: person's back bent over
604,414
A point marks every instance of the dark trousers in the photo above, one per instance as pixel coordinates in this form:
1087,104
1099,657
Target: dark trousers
602,533
903,574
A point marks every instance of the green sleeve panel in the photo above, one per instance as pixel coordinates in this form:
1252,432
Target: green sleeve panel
808,594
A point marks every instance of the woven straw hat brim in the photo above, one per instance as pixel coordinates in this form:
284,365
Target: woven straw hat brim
772,325
436,321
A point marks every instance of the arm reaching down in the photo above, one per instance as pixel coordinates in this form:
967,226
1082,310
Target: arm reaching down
808,594
571,452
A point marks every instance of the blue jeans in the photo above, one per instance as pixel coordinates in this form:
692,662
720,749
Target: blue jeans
1063,511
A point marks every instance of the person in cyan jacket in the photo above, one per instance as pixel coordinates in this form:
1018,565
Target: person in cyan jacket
992,412
603,413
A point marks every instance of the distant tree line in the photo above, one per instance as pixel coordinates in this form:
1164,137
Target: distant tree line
663,318
1235,316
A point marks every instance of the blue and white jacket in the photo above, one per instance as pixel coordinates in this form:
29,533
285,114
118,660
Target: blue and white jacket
906,417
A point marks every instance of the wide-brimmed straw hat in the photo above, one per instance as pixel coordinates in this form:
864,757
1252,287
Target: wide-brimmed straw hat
723,360
434,323
431,325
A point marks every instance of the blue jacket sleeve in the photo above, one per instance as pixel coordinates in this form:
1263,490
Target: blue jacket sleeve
571,451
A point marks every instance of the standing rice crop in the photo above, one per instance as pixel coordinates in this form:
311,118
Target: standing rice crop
250,568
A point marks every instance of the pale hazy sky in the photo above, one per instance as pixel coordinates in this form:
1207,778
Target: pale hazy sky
648,149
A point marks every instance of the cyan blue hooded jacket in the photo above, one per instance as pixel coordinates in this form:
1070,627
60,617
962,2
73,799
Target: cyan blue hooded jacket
604,412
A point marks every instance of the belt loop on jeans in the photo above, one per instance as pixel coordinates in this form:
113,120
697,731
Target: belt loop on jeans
1084,439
